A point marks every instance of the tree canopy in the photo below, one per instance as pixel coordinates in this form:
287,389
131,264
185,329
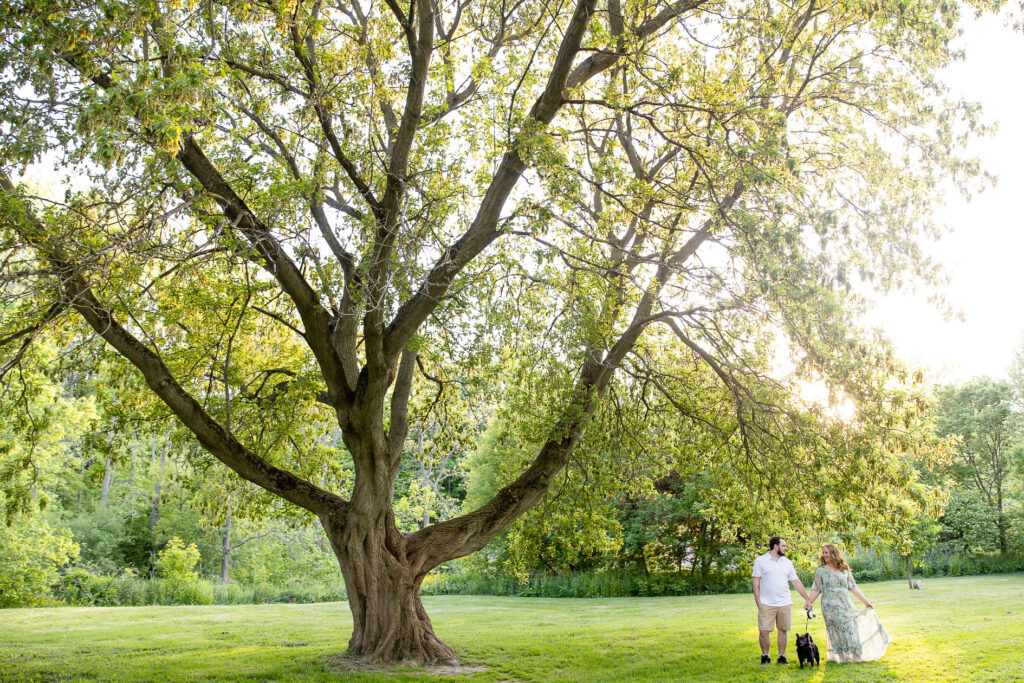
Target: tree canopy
293,214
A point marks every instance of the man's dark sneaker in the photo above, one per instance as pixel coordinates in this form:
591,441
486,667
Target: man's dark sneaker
765,659
782,659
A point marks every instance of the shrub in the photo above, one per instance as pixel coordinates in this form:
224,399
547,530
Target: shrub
177,562
595,584
30,554
179,582
79,586
180,591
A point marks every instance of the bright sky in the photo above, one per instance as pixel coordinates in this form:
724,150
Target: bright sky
984,254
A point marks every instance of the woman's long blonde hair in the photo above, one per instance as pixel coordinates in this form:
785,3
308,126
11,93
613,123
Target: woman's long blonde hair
831,556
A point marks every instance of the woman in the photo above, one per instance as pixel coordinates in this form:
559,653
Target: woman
851,635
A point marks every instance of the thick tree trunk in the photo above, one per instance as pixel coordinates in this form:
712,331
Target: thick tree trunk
389,623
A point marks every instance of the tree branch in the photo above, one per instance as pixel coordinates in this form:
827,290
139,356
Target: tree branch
324,117
314,317
602,60
420,50
400,405
210,433
276,260
482,231
470,532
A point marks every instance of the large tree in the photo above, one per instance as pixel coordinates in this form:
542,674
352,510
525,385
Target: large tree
272,206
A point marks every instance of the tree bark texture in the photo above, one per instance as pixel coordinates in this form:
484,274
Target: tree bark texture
389,623
1001,519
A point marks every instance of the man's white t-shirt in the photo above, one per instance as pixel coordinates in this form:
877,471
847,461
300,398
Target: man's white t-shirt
775,576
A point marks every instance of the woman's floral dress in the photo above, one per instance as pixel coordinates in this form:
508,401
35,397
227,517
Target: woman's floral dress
852,635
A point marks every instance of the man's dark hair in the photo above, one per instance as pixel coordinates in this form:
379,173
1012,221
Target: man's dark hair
774,541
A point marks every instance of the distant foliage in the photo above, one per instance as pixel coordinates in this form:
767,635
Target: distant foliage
40,428
885,566
292,559
970,522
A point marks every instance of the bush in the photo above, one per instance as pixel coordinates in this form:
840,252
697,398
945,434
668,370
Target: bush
180,591
30,554
177,562
867,566
179,582
80,587
870,565
597,584
262,593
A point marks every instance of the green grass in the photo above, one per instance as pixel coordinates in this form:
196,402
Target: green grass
969,629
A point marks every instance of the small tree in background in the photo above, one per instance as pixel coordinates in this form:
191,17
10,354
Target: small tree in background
987,430
178,562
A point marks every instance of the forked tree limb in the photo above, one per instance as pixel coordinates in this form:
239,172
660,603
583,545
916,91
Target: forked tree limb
483,230
468,533
399,428
315,319
421,46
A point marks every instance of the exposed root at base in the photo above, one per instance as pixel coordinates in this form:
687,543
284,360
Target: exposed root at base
349,663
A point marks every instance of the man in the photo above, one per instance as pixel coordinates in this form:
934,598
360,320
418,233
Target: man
772,572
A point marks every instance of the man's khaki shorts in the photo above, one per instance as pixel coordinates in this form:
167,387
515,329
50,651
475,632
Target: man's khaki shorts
768,617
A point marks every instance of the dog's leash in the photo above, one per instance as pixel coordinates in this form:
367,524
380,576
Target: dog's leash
807,624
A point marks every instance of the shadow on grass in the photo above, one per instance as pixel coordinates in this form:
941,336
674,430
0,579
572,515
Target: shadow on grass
354,664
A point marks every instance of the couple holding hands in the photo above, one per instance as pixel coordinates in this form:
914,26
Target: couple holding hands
851,635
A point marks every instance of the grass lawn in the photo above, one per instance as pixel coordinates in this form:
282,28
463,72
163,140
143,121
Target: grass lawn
969,629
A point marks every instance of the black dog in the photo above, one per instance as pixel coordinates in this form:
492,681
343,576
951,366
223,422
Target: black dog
806,650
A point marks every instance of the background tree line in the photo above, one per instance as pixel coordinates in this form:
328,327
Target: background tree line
113,512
